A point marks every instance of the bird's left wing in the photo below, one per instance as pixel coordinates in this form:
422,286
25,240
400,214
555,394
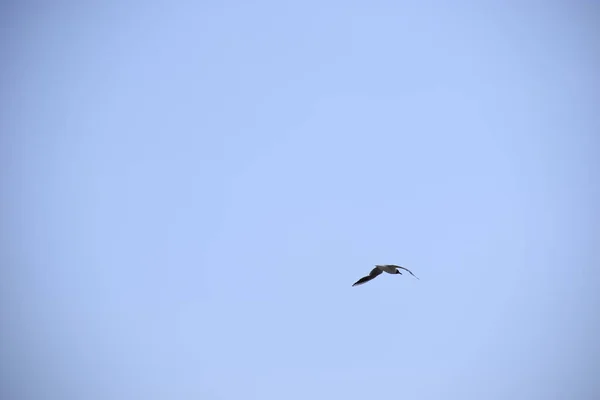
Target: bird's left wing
409,271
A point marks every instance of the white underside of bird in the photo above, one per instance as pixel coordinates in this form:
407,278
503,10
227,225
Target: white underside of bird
379,269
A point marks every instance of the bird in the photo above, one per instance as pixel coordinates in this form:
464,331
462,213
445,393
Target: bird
389,268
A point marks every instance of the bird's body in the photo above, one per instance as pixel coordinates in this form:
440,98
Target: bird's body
379,269
390,269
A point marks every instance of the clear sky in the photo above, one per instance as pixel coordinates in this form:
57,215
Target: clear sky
189,191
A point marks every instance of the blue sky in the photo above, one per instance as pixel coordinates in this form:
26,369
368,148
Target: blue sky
189,191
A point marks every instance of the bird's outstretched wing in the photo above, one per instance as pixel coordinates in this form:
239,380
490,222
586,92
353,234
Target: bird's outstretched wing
406,269
374,273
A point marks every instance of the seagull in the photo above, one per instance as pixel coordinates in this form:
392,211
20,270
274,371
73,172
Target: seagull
390,269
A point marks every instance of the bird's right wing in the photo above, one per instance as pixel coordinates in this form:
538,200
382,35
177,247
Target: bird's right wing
375,272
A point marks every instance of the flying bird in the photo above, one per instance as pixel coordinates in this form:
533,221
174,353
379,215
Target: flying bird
390,269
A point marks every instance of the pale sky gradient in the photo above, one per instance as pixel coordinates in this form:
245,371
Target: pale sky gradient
189,191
